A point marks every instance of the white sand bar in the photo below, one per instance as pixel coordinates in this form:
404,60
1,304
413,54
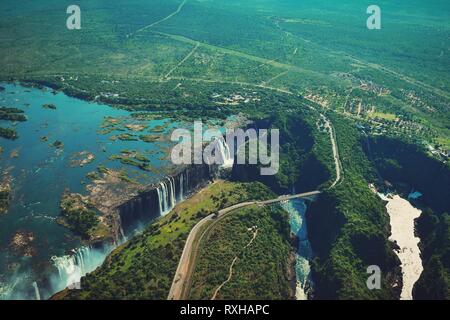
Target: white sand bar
402,215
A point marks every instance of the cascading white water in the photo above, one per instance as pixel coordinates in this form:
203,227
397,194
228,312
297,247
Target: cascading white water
297,210
226,160
166,195
172,192
69,270
72,267
159,199
122,233
184,187
181,195
36,291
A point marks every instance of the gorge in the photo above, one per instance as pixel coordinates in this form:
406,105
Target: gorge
161,198
67,258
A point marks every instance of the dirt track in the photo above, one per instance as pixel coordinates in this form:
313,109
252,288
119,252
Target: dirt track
181,282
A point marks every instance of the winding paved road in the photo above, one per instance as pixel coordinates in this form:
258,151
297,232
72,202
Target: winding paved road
181,282
337,160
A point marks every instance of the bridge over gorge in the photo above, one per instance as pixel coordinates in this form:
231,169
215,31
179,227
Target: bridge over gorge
181,282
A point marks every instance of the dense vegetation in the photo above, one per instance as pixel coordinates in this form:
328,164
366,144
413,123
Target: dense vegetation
259,58
398,162
434,232
143,268
8,133
5,197
12,114
261,270
77,216
229,46
348,225
349,228
305,152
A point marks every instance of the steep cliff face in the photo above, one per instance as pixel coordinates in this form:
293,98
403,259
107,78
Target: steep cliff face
398,162
160,198
324,223
348,225
141,209
144,266
434,282
406,164
347,237
349,228
301,165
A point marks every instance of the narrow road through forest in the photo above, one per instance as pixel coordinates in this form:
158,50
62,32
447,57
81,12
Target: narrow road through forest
181,282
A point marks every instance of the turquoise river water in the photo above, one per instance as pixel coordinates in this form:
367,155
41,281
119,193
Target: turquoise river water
40,173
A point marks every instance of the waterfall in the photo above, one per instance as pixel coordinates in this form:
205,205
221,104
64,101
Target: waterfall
68,269
159,200
297,216
184,187
74,266
166,195
225,154
172,192
122,233
181,195
162,197
36,291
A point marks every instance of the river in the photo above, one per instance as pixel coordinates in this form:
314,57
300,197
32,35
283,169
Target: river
402,216
40,173
297,217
